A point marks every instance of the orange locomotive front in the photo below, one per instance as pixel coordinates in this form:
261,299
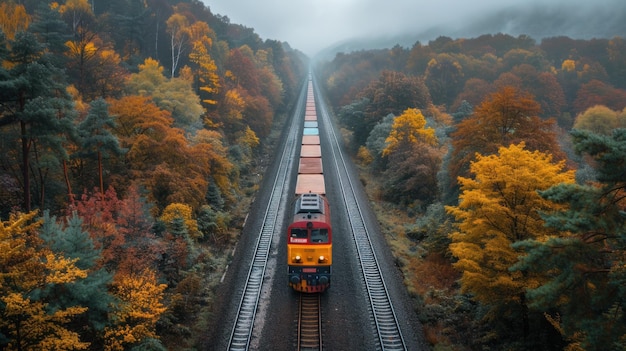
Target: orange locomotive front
309,244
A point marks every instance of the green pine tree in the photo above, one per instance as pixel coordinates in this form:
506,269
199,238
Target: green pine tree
585,265
92,292
96,136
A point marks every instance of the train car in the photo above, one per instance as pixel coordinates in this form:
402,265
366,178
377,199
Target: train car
309,235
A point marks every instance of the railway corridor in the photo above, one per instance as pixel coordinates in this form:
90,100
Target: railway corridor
366,308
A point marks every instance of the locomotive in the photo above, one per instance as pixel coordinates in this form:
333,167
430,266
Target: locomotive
309,241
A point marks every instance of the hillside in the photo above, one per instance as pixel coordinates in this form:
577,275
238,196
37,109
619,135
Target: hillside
537,21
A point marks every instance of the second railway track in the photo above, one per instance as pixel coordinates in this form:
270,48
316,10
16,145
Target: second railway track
382,312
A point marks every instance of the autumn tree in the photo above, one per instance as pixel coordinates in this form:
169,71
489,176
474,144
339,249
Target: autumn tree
92,63
121,229
175,95
409,128
413,159
272,86
474,92
206,77
393,92
597,92
177,29
134,318
29,318
13,19
98,212
160,155
500,206
582,261
600,120
444,78
505,117
178,210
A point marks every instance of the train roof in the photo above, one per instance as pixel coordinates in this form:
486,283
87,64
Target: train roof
310,140
310,183
310,165
310,203
311,131
311,151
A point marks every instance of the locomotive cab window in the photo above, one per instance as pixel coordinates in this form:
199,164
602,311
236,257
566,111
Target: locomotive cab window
319,235
299,233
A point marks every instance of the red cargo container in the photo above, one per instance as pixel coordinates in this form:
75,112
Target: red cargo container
310,165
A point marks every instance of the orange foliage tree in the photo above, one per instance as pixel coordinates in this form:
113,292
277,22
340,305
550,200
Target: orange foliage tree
505,117
159,155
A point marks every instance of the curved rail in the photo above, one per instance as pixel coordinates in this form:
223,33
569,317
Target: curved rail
385,319
244,321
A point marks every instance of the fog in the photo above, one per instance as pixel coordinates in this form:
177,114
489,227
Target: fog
313,25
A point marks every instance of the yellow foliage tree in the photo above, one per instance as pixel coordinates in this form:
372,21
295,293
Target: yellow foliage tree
26,266
498,207
248,138
178,210
206,71
13,18
408,129
134,318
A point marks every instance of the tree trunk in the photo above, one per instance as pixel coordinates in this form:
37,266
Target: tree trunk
25,166
70,195
100,172
525,318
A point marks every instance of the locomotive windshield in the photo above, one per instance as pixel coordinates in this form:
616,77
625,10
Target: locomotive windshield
299,233
317,235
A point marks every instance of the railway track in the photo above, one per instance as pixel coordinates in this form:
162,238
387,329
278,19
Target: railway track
383,315
310,323
244,321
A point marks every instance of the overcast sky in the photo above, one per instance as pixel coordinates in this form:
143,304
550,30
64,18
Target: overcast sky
312,25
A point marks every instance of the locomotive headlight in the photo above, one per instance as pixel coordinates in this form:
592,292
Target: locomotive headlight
297,258
322,258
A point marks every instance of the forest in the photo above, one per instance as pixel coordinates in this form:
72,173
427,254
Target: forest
498,166
132,136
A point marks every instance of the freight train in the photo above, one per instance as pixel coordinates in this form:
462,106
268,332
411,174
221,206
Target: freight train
309,241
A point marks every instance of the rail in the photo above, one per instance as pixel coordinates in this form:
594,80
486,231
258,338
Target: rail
383,314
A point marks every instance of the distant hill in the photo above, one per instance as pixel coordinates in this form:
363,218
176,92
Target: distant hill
537,21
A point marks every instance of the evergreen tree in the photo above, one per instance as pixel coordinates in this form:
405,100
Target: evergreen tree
585,264
34,98
92,292
51,31
97,137
214,196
